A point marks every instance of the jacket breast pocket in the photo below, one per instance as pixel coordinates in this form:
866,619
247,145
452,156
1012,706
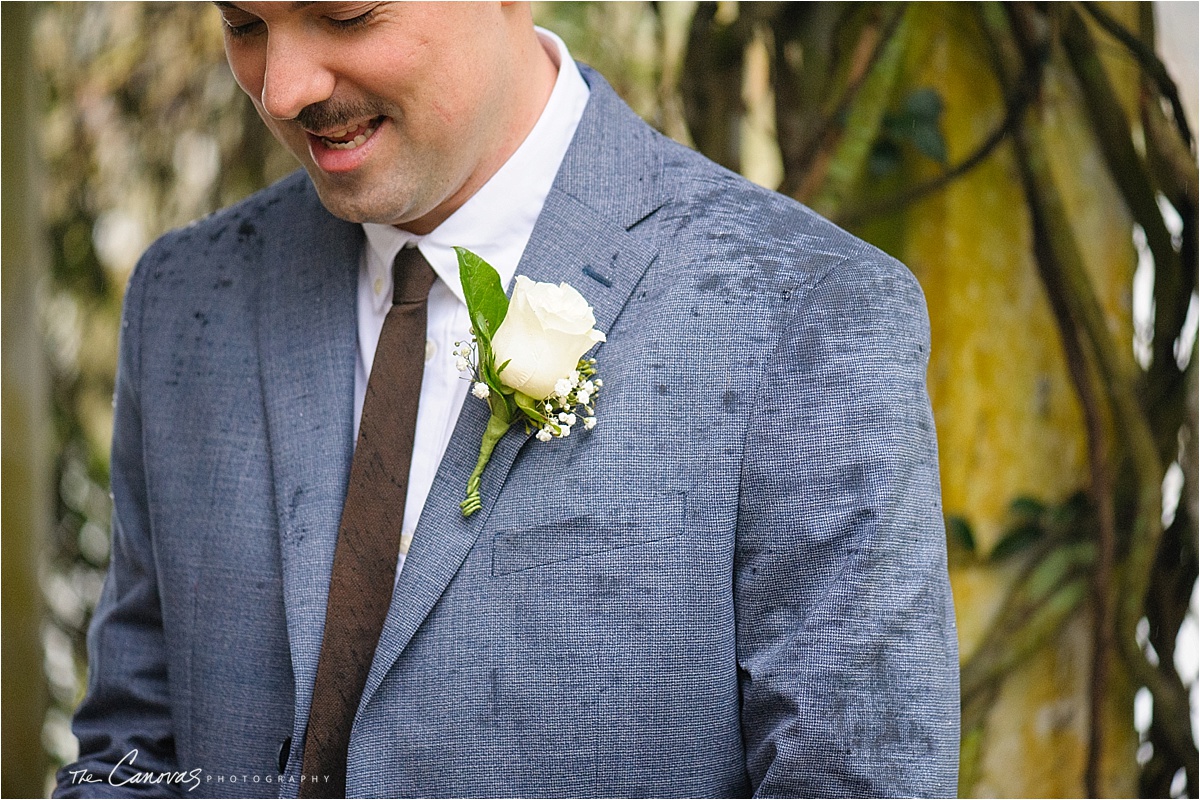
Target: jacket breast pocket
596,530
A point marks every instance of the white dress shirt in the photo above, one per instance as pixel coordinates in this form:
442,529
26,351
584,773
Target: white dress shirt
496,222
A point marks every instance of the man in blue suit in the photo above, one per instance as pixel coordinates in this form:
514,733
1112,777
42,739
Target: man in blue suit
735,584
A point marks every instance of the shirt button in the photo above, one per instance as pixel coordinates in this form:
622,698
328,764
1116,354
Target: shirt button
430,349
378,285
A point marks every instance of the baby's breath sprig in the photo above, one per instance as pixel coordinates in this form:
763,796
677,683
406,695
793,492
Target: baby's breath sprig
573,401
467,360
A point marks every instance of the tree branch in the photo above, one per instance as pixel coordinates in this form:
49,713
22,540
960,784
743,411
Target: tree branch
1115,139
1149,62
1064,274
801,162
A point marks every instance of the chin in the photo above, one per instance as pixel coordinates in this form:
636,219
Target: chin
353,206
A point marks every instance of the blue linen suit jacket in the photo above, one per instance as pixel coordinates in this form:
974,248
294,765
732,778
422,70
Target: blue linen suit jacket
734,585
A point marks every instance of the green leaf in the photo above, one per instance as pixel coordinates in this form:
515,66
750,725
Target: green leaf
1027,508
959,534
530,407
919,123
1016,540
501,408
897,128
487,363
885,158
927,138
1055,567
924,103
486,303
1070,514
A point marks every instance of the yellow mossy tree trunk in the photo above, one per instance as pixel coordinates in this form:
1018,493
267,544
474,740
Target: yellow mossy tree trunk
1008,418
26,456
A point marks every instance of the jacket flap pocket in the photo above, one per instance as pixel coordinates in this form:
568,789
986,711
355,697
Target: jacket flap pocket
596,530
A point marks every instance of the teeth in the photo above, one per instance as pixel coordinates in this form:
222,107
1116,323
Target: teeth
353,143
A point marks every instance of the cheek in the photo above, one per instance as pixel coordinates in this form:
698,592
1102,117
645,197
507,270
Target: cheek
465,112
247,66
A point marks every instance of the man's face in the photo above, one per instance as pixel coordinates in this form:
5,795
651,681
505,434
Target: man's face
396,110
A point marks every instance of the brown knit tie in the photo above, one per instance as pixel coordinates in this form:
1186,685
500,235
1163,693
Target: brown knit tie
364,561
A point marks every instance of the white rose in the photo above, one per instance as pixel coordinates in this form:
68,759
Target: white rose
545,332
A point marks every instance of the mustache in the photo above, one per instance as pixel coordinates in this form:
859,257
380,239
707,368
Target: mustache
331,114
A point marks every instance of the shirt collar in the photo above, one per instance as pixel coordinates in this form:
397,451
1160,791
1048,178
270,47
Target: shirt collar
497,221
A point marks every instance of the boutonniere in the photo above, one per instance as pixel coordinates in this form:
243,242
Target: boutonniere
525,359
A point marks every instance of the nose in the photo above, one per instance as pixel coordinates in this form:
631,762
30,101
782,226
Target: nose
294,76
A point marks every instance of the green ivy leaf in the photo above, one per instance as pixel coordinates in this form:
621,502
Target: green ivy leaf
885,158
1027,508
918,122
487,304
1016,540
1071,514
924,103
927,138
959,534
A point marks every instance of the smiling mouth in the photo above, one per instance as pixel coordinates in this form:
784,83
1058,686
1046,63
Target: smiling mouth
350,138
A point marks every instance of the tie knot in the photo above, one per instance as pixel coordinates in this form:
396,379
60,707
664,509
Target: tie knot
412,277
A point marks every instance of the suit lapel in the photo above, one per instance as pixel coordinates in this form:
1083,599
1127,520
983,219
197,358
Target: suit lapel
582,237
307,340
